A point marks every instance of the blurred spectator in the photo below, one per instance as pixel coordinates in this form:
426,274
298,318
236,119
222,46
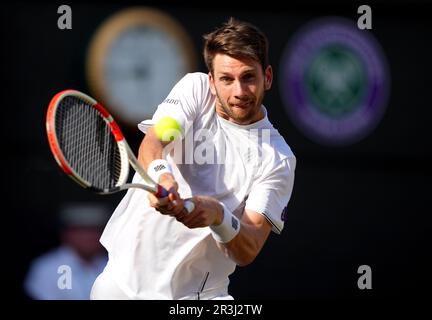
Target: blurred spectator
68,271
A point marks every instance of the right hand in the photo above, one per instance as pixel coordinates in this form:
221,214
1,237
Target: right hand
172,204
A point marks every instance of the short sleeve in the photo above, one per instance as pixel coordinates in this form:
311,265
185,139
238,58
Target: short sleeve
271,193
182,103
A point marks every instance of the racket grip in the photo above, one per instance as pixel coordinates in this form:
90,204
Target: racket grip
189,205
162,192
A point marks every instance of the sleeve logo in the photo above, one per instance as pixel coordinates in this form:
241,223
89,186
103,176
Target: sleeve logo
159,167
171,101
234,223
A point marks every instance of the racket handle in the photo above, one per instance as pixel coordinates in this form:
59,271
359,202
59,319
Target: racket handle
189,205
161,192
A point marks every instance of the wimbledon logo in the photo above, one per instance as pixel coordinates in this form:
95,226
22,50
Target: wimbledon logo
334,81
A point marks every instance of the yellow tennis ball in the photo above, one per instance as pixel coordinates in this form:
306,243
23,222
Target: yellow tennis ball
167,129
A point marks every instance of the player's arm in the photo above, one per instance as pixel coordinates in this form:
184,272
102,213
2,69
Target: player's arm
249,235
246,245
243,239
151,149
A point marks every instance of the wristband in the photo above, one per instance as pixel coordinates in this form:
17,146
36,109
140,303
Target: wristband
228,229
158,167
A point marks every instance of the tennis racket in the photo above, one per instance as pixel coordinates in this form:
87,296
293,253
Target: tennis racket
90,148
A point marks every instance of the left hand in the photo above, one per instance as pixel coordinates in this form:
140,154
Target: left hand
208,211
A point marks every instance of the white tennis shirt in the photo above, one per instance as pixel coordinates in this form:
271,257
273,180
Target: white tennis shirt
153,256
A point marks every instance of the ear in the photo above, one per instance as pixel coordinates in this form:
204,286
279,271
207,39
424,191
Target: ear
268,77
212,85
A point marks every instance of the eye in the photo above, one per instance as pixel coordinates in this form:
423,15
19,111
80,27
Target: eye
249,77
225,79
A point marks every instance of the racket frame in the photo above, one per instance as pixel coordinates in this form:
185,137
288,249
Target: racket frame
126,155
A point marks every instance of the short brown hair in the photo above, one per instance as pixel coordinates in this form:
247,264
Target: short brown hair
236,39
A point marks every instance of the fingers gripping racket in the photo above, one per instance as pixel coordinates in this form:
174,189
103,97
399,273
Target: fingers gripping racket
90,148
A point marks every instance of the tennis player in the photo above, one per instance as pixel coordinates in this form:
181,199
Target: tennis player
228,159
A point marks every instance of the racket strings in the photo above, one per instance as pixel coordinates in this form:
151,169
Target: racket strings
87,143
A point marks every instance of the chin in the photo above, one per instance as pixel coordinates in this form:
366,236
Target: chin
245,114
243,119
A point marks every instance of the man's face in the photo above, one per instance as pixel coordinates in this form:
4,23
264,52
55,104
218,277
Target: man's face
239,86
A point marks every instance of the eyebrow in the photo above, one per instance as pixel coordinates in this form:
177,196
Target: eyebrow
221,73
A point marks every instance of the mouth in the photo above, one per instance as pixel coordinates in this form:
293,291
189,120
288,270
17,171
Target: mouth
243,105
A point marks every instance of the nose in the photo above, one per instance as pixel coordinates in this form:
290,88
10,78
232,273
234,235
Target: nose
239,90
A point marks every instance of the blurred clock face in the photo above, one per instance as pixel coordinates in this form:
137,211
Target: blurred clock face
134,59
141,66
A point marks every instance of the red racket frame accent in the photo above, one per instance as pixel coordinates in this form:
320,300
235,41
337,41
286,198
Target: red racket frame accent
58,155
118,135
52,139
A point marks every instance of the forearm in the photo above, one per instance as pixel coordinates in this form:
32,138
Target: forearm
241,240
248,242
244,248
151,148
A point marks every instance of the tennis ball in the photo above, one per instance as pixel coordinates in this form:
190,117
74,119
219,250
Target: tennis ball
167,129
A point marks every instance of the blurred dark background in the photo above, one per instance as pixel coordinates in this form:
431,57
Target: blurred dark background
362,204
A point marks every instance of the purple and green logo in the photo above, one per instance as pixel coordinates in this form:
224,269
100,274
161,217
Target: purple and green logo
334,81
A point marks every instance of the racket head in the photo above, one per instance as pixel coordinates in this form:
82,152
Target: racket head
86,142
